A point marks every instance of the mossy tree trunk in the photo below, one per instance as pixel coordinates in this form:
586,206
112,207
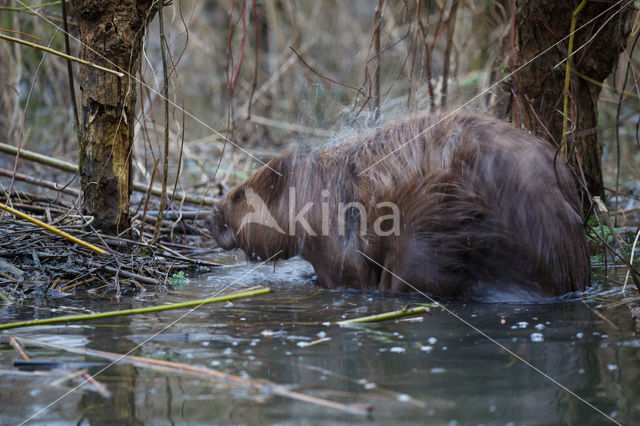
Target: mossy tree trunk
111,32
534,96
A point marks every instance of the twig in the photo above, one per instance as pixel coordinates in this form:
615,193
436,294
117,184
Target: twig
147,198
40,182
148,309
72,168
256,50
4,297
207,373
55,52
447,53
165,94
72,89
172,215
127,274
633,249
234,78
74,285
13,271
290,126
617,132
52,229
25,8
81,373
180,256
376,74
325,77
39,158
315,342
429,52
18,347
601,316
567,79
601,211
273,78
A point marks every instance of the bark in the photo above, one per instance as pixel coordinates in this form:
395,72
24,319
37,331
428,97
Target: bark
533,97
111,32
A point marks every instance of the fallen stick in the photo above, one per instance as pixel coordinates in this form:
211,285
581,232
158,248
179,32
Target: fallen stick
109,314
72,168
127,274
52,229
40,182
202,373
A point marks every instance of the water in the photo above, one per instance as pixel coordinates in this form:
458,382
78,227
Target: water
431,369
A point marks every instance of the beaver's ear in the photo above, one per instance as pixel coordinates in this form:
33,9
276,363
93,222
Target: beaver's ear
273,176
237,195
280,166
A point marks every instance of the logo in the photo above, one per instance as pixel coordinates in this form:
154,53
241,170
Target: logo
345,216
260,214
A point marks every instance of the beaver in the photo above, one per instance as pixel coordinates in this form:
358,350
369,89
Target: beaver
447,204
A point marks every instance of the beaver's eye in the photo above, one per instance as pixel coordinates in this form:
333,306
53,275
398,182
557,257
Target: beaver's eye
238,195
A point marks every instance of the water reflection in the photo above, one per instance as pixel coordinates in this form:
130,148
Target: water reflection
432,369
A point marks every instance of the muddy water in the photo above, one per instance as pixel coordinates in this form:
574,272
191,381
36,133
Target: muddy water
433,369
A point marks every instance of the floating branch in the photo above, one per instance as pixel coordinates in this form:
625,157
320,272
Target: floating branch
64,55
385,316
263,386
52,229
146,310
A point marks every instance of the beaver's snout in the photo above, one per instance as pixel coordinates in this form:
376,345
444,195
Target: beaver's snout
221,231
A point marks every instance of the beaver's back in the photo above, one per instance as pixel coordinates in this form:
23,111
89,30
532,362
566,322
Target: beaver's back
482,203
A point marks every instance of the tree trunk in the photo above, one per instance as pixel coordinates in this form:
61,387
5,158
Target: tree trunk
534,96
111,32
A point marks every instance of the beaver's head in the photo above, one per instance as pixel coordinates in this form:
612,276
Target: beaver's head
253,215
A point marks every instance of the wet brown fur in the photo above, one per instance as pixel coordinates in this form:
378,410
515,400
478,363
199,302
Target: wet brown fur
483,207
